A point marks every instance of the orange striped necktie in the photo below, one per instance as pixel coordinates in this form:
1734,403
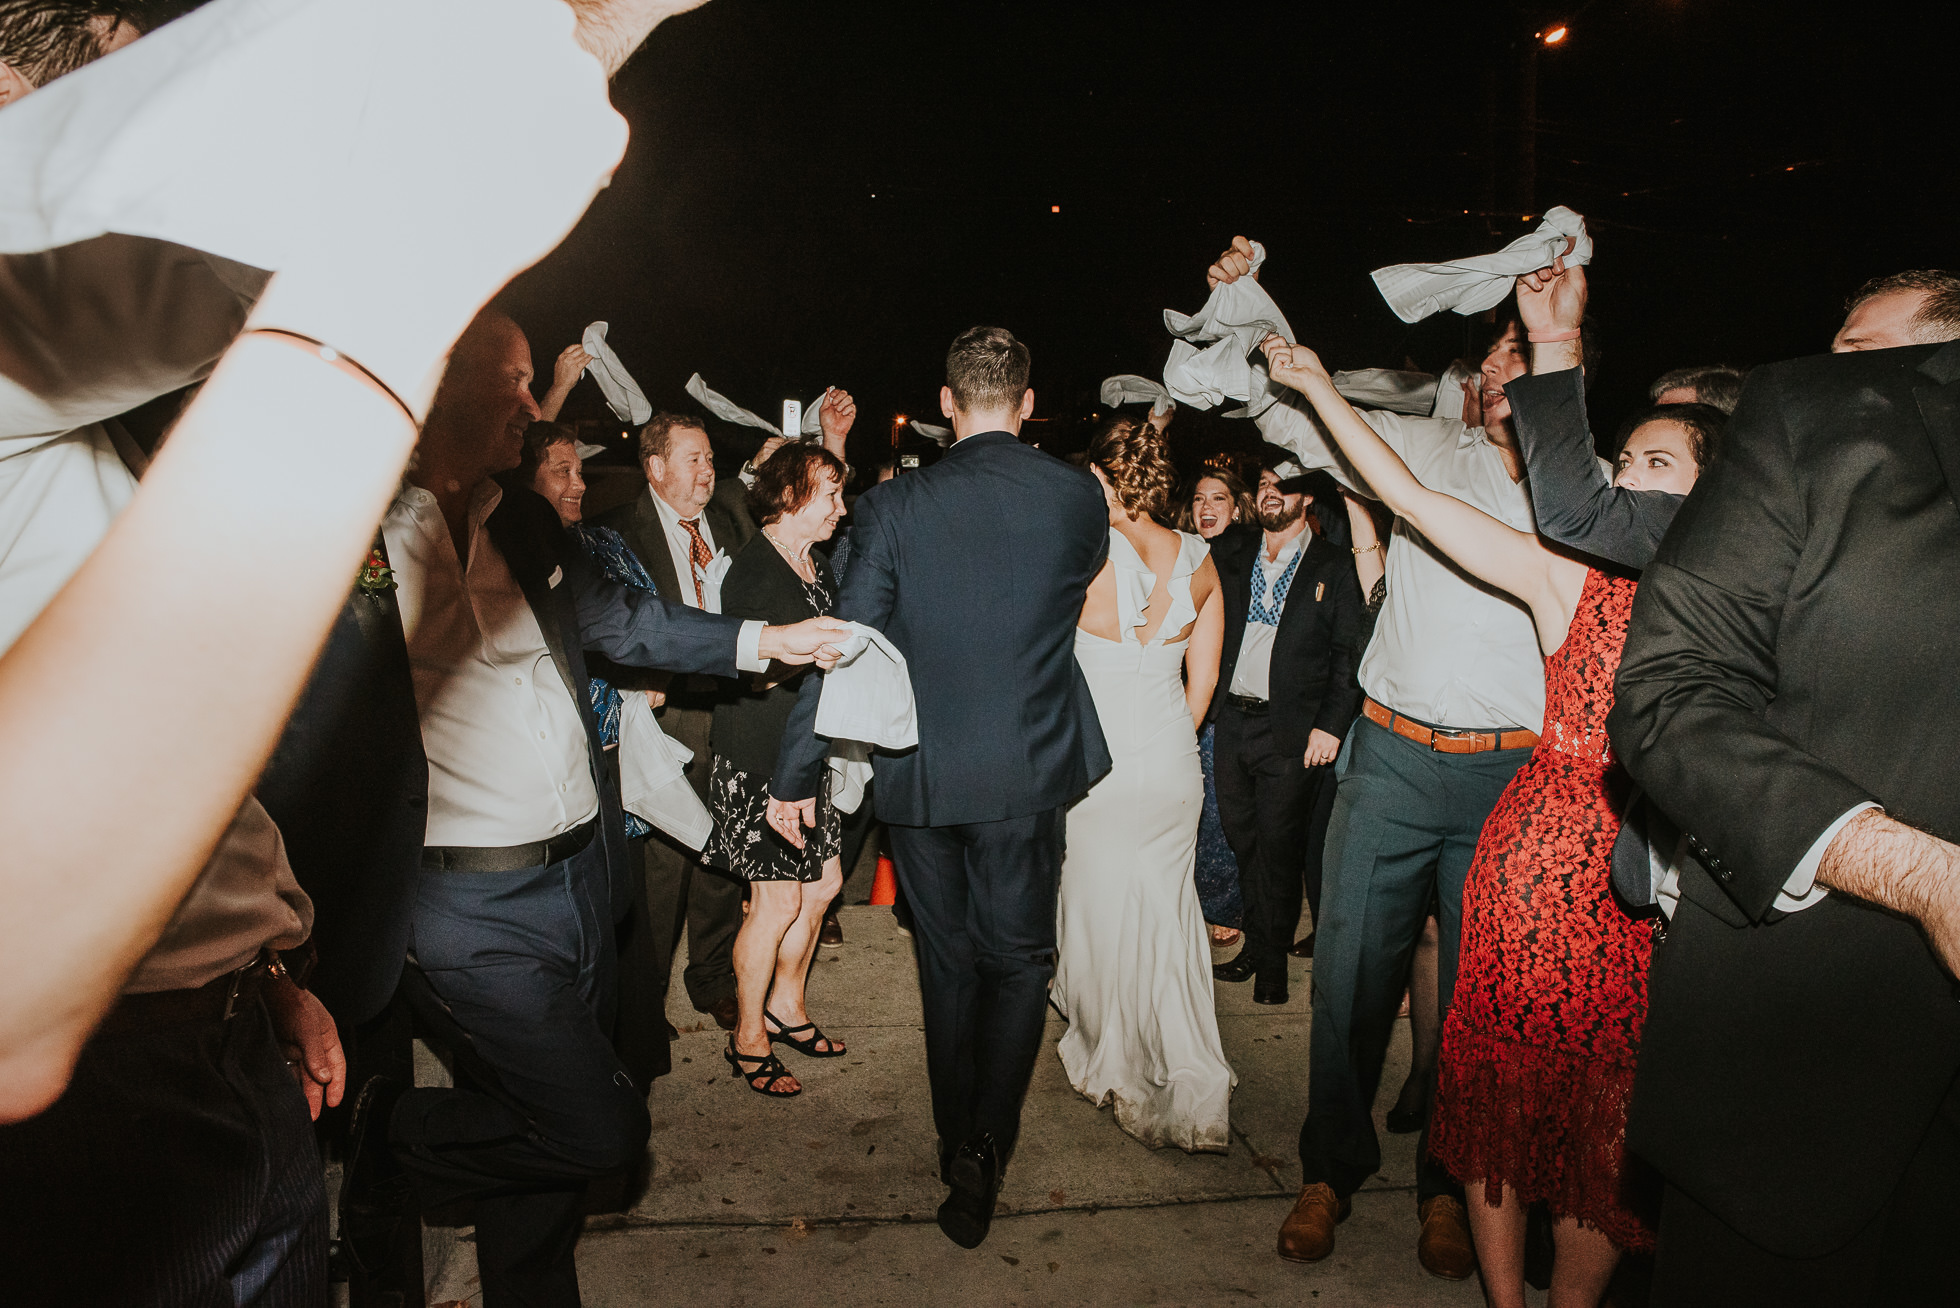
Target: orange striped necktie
700,556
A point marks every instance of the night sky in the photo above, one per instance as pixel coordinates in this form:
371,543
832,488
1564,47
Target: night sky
826,193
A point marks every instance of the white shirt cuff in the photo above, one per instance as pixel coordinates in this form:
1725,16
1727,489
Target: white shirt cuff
748,648
1802,890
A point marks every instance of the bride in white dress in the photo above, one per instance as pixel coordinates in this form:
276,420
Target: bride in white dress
1133,976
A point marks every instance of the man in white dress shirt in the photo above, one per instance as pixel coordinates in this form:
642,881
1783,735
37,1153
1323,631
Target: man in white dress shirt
524,870
1455,691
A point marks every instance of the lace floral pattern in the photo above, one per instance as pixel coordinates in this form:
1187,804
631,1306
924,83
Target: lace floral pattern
745,843
1551,990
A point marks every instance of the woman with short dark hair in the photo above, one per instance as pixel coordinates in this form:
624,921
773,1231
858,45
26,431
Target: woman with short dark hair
798,497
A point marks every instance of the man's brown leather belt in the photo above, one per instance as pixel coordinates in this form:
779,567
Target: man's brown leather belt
508,858
217,1000
1445,740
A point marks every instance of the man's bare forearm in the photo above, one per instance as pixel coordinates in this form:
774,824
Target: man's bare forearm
1885,862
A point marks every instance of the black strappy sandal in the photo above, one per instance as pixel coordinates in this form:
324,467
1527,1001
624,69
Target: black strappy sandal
768,1069
806,1045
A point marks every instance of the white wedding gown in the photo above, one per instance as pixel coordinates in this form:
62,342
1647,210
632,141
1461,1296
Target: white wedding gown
1134,973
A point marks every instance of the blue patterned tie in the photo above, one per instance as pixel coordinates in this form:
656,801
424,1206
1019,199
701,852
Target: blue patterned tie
1259,611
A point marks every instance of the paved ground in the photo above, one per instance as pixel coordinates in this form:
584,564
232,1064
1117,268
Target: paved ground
828,1198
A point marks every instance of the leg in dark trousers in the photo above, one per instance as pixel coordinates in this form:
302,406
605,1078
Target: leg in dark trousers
178,1168
514,971
1265,803
1400,808
383,1046
983,908
1323,815
1901,1257
646,963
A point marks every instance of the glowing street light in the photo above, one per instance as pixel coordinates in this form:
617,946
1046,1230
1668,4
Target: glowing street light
1556,35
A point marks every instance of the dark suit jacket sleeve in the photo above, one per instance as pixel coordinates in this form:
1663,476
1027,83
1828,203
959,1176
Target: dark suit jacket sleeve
1342,703
1574,501
639,630
1700,668
867,597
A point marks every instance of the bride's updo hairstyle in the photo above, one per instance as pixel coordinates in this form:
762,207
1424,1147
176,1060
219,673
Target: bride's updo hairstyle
1137,461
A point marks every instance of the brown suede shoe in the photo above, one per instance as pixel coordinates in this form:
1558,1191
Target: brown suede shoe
725,1011
1307,1234
1444,1247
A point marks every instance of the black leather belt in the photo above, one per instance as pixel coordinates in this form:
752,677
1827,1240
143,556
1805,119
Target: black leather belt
508,858
1248,705
218,1000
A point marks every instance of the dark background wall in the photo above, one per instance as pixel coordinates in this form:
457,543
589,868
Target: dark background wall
826,193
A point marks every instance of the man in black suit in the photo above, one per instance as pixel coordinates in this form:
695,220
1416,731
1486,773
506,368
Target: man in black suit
1293,624
1786,696
682,489
507,918
1008,737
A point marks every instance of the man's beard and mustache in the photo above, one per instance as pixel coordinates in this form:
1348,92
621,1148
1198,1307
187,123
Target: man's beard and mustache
1280,518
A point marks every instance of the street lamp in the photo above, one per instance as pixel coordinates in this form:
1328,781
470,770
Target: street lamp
1555,35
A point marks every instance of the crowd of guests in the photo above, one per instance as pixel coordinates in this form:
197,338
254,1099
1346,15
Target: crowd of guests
1602,769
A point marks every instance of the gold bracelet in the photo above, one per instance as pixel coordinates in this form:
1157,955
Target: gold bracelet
328,355
1367,549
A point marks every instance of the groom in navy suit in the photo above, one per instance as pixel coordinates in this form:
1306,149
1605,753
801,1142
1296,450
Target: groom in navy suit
1008,737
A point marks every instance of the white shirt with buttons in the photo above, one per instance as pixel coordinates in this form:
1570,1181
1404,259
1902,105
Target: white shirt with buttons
508,757
1252,676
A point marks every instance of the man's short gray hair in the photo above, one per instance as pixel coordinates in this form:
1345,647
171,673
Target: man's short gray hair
1938,318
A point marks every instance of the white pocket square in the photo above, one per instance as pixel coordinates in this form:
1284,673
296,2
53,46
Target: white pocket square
557,575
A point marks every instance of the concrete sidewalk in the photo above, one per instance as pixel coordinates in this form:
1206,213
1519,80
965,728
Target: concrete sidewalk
828,1198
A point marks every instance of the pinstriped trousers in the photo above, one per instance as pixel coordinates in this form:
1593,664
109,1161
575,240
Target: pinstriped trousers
178,1170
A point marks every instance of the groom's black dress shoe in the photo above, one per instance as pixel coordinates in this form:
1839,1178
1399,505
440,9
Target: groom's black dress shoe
1236,969
975,1177
1269,992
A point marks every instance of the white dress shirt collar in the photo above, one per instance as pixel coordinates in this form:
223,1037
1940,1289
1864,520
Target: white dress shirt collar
680,548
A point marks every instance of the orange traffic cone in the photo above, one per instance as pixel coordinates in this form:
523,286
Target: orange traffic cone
884,882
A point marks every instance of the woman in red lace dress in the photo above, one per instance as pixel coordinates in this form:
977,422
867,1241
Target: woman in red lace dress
1539,1046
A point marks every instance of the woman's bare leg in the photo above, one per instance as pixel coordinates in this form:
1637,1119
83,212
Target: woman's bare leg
1581,1266
773,910
1499,1236
799,946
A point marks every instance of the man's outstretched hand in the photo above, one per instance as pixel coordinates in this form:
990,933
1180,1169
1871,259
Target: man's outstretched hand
813,640
790,816
1291,365
1553,299
1232,265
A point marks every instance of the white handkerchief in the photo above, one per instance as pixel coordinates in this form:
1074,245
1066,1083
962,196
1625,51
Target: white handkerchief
623,395
653,776
850,774
717,568
1234,320
729,411
1128,388
868,695
1388,388
940,436
1416,290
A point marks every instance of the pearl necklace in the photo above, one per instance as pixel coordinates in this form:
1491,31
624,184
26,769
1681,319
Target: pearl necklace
799,562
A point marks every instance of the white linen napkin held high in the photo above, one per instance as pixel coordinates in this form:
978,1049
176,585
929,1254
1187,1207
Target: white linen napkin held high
1416,290
623,395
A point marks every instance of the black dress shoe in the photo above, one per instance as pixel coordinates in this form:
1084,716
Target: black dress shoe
968,1212
380,1229
1269,992
1303,947
1234,969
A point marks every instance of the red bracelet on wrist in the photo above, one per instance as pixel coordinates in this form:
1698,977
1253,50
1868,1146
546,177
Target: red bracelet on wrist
1548,338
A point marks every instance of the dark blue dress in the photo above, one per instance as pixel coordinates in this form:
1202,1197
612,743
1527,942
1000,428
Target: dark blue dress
608,549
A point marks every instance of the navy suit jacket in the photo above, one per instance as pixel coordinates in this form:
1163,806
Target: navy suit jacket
975,568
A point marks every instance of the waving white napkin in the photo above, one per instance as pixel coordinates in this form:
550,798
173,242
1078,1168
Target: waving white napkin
652,775
1388,388
1416,290
306,137
850,774
1128,388
729,411
623,395
868,695
1234,320
940,436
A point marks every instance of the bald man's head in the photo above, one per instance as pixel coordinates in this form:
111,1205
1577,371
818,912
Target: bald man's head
483,404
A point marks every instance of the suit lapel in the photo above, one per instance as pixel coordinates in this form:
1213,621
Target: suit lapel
650,543
542,580
1939,407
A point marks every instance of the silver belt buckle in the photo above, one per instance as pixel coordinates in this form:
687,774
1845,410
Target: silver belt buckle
1439,733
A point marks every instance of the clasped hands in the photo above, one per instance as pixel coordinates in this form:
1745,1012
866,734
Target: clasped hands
813,640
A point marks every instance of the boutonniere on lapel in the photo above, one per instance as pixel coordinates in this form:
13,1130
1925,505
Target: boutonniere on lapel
376,577
1319,589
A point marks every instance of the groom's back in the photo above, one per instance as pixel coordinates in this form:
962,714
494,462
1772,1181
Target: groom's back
989,553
